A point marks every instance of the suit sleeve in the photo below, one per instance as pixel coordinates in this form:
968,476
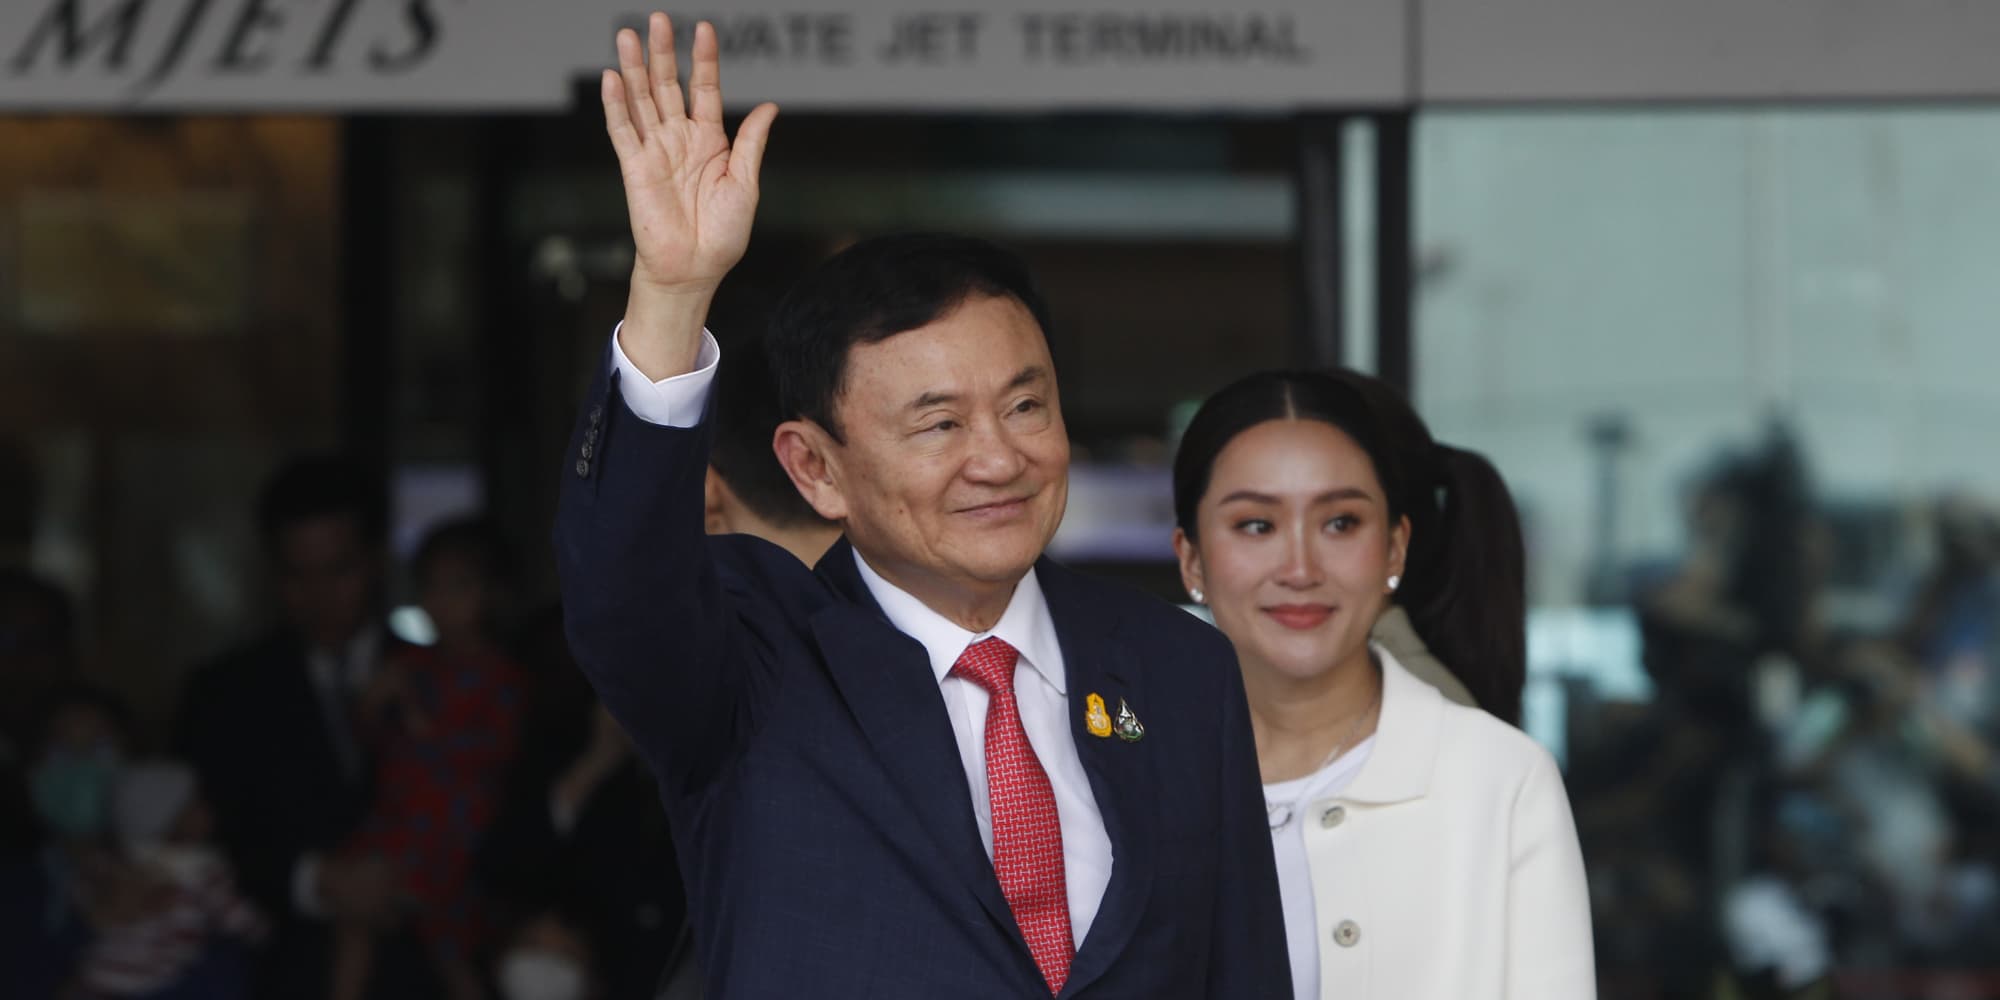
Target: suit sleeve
643,610
1549,954
1248,957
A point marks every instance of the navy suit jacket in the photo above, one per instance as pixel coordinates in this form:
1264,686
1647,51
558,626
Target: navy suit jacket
813,783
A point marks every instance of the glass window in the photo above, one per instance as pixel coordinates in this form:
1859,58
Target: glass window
1738,368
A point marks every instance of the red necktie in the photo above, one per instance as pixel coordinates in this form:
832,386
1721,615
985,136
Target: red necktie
1027,834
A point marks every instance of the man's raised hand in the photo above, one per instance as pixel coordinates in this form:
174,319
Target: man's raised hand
691,194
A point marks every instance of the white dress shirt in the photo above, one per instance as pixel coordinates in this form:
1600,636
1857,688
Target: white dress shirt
1040,687
1041,695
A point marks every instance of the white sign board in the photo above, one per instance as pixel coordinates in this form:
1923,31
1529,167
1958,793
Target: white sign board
1616,50
418,55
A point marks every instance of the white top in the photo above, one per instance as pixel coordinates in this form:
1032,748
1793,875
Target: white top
1040,690
1292,806
1451,871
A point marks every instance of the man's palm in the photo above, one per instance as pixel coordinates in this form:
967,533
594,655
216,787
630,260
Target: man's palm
690,193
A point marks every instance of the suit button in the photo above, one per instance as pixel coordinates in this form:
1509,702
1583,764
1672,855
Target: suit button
597,414
1332,817
582,467
585,450
1348,934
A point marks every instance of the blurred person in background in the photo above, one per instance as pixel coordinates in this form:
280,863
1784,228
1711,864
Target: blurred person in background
1425,849
1952,632
1782,918
1953,624
187,932
747,491
271,729
443,722
1887,760
75,883
38,652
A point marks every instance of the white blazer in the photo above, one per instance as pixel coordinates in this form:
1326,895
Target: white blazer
1448,869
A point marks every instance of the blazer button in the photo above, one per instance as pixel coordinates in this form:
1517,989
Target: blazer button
582,468
1332,817
585,450
1348,934
597,414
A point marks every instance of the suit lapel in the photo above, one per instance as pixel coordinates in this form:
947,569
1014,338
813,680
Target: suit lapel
1121,777
885,678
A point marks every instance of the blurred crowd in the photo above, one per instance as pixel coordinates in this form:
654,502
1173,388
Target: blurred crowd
1807,807
334,808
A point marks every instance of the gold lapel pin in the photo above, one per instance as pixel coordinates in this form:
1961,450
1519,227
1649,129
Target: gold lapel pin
1095,718
1129,728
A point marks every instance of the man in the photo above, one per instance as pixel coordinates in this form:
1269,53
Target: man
938,765
747,492
270,728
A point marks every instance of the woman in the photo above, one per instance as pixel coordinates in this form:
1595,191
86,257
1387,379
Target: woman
1425,849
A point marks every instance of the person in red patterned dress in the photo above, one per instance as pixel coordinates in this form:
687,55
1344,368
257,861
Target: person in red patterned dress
445,718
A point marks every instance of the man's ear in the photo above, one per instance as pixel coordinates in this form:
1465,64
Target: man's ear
715,504
812,459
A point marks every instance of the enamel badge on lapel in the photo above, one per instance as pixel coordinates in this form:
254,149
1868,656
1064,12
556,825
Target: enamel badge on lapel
1128,725
1095,718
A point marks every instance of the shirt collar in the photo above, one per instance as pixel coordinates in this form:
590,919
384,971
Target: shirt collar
1025,625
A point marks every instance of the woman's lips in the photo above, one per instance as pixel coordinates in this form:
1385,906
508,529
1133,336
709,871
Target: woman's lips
1300,616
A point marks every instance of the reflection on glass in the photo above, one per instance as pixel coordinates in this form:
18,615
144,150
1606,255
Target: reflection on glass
1737,366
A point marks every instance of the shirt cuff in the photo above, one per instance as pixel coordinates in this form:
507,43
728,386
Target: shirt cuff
672,402
305,887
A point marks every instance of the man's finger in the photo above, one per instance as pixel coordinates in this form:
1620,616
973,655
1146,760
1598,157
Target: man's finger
638,90
705,83
666,71
746,157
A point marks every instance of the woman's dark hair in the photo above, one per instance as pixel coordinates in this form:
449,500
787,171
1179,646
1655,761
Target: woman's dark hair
1463,575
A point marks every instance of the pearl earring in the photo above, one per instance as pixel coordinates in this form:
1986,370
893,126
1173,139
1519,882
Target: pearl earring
1197,595
1394,582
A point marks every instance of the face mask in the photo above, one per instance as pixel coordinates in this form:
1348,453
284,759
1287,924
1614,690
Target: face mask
69,789
531,974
